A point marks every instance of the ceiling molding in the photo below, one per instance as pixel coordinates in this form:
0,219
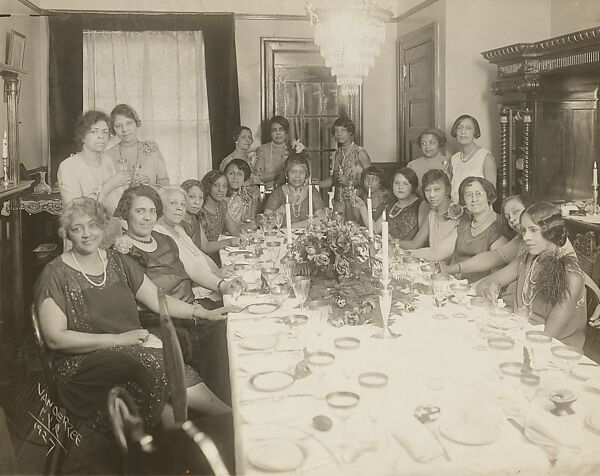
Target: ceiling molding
33,7
270,16
413,10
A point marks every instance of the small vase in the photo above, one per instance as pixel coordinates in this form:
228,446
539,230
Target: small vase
42,188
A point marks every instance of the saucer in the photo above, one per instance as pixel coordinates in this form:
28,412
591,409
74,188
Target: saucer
271,381
259,342
261,308
277,456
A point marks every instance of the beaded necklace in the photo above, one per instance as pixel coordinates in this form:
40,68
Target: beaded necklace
98,285
123,162
343,150
295,199
528,284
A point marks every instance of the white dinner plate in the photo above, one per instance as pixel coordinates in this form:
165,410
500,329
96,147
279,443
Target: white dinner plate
277,456
271,381
261,308
470,431
259,342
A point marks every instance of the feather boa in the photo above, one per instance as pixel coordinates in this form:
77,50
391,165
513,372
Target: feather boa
552,276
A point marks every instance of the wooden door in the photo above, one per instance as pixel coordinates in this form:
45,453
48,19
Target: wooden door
417,93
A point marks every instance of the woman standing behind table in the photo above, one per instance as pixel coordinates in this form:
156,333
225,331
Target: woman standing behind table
242,136
242,200
214,216
89,173
477,231
297,172
431,141
131,153
373,179
439,223
348,164
407,213
271,156
194,199
472,160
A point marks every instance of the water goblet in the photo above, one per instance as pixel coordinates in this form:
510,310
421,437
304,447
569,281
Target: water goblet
294,321
288,268
257,243
261,222
411,264
320,362
538,343
321,308
342,404
373,388
236,286
301,285
270,275
460,292
273,248
440,283
345,348
494,293
279,220
565,357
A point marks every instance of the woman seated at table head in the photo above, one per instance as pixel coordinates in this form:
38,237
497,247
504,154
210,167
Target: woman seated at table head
471,160
131,153
550,282
431,141
158,255
90,173
242,200
479,228
373,179
194,199
243,139
406,212
86,300
271,156
297,173
436,190
214,217
201,268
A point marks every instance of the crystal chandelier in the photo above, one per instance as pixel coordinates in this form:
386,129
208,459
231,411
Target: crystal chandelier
349,34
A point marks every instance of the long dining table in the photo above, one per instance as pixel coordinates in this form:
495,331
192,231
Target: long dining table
476,414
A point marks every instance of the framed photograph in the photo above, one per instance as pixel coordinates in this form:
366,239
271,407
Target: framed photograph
16,49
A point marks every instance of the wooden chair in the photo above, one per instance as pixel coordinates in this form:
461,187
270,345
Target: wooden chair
591,347
174,367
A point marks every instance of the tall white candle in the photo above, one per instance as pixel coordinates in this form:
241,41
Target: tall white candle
5,146
288,220
331,195
370,214
385,247
594,176
310,198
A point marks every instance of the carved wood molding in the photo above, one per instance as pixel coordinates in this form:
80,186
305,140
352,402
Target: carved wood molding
521,85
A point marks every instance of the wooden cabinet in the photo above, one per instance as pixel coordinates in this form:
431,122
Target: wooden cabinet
548,104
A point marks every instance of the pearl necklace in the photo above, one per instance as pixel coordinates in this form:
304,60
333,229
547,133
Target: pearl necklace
485,220
399,208
295,201
464,158
146,242
98,285
528,284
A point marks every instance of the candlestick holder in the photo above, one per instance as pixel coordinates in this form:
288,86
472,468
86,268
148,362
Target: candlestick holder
5,180
595,198
385,305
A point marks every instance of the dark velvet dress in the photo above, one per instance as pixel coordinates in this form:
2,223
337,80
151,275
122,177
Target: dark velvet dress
84,380
404,225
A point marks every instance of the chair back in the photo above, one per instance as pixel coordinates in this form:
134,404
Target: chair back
44,355
173,359
591,346
208,448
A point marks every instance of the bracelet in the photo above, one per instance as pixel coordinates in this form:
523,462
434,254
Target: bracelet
195,318
219,286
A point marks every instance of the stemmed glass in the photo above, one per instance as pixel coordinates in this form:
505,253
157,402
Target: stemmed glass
346,348
273,248
342,404
565,357
319,363
261,222
373,388
288,268
494,293
294,321
301,285
460,292
236,286
270,274
322,309
279,221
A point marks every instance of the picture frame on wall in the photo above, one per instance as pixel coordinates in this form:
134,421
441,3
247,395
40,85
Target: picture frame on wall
16,49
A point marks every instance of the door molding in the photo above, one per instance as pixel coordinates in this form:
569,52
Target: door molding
406,41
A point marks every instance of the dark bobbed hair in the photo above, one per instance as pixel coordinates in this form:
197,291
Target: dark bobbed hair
488,187
376,171
459,119
549,219
124,205
282,121
524,199
123,110
295,158
410,175
345,122
189,183
84,206
242,165
85,123
436,175
434,131
209,180
238,130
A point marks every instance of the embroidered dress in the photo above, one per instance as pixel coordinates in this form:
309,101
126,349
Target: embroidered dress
299,210
347,163
239,204
213,223
471,168
404,224
468,245
84,380
147,155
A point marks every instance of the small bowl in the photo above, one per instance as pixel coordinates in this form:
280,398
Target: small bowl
501,343
538,337
563,399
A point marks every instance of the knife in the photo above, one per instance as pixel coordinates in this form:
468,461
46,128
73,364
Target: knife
550,451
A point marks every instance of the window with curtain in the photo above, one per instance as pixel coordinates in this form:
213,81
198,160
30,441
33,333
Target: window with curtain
162,75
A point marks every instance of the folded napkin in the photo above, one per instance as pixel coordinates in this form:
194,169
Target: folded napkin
416,440
545,428
153,342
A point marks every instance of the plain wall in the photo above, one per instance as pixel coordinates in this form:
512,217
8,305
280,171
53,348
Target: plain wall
33,103
567,16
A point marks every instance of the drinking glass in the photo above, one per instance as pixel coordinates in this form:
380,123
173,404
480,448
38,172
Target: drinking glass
279,220
539,344
236,286
321,308
270,274
273,248
294,321
565,357
494,293
345,350
301,285
412,265
257,245
440,283
342,404
373,388
288,268
269,221
319,363
261,222
460,292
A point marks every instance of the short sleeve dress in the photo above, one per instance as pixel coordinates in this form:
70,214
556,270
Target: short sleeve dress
299,210
84,380
404,224
148,157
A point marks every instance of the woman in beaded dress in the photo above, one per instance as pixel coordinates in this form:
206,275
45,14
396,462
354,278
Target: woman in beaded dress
214,217
86,302
132,154
348,164
297,172
407,213
242,200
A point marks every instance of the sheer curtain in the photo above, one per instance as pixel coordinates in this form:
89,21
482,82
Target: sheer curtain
162,75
